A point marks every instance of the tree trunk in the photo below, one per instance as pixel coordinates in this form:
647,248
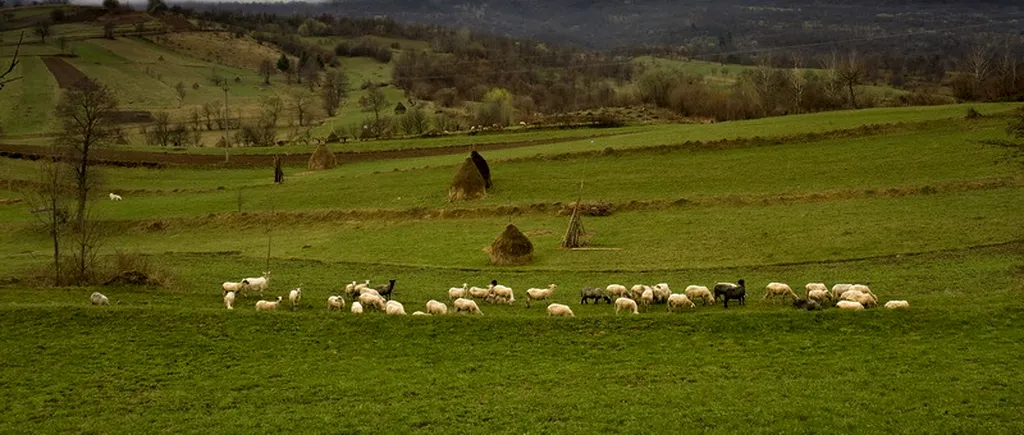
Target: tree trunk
853,99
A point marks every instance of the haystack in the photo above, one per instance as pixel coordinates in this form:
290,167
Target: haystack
468,184
574,234
481,165
322,158
511,247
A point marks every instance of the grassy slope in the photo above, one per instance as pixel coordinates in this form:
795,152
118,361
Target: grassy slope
26,105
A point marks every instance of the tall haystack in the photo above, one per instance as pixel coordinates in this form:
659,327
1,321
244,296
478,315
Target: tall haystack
468,184
511,247
574,234
481,165
322,158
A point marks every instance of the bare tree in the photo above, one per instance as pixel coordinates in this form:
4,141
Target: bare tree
851,73
311,73
833,85
374,101
179,90
302,103
266,70
49,201
798,82
271,109
14,62
43,28
334,91
977,63
85,112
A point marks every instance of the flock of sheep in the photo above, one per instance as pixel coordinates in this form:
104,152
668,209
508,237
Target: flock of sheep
633,299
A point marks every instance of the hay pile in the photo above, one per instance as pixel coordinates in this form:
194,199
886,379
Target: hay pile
511,247
322,158
468,184
481,165
574,234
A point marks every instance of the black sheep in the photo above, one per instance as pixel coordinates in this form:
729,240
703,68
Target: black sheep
593,293
731,291
481,165
386,289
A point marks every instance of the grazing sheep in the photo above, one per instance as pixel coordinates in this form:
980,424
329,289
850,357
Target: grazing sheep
893,305
115,197
357,308
850,305
661,293
868,301
625,303
594,293
361,286
812,286
819,296
368,291
351,291
500,294
695,292
267,305
637,291
257,285
295,296
370,300
419,313
229,300
778,289
97,298
467,305
457,292
386,289
839,289
539,294
559,310
729,291
864,289
231,287
435,307
679,300
647,298
335,303
394,308
479,293
617,291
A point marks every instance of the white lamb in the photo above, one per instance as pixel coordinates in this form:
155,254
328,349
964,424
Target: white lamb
616,291
370,300
467,305
539,294
778,289
839,289
679,300
647,297
295,297
500,294
864,299
850,305
115,197
97,298
335,303
232,287
229,300
369,291
699,292
864,289
435,307
661,292
394,308
893,305
358,288
626,304
560,310
812,286
267,305
257,285
479,293
419,313
350,290
357,308
458,292
637,291
819,296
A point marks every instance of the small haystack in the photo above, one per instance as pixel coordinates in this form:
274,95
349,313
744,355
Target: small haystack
468,184
322,158
481,165
278,173
511,247
574,235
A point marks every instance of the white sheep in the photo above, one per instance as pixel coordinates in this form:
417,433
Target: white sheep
256,284
539,294
419,313
647,297
778,289
864,289
335,303
97,298
498,293
369,291
560,310
850,305
812,286
679,300
699,292
357,308
458,292
232,287
839,289
661,292
625,303
435,307
358,288
467,305
229,300
394,308
267,305
295,297
868,301
479,293
637,291
616,291
819,296
370,300
350,290
115,197
893,305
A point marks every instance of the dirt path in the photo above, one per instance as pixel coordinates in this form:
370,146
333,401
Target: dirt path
64,72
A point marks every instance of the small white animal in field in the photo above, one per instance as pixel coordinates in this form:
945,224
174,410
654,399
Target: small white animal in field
394,308
616,290
97,298
295,296
115,197
893,305
560,310
267,305
335,303
679,300
467,305
435,307
229,300
626,304
357,308
850,305
231,286
419,313
458,292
